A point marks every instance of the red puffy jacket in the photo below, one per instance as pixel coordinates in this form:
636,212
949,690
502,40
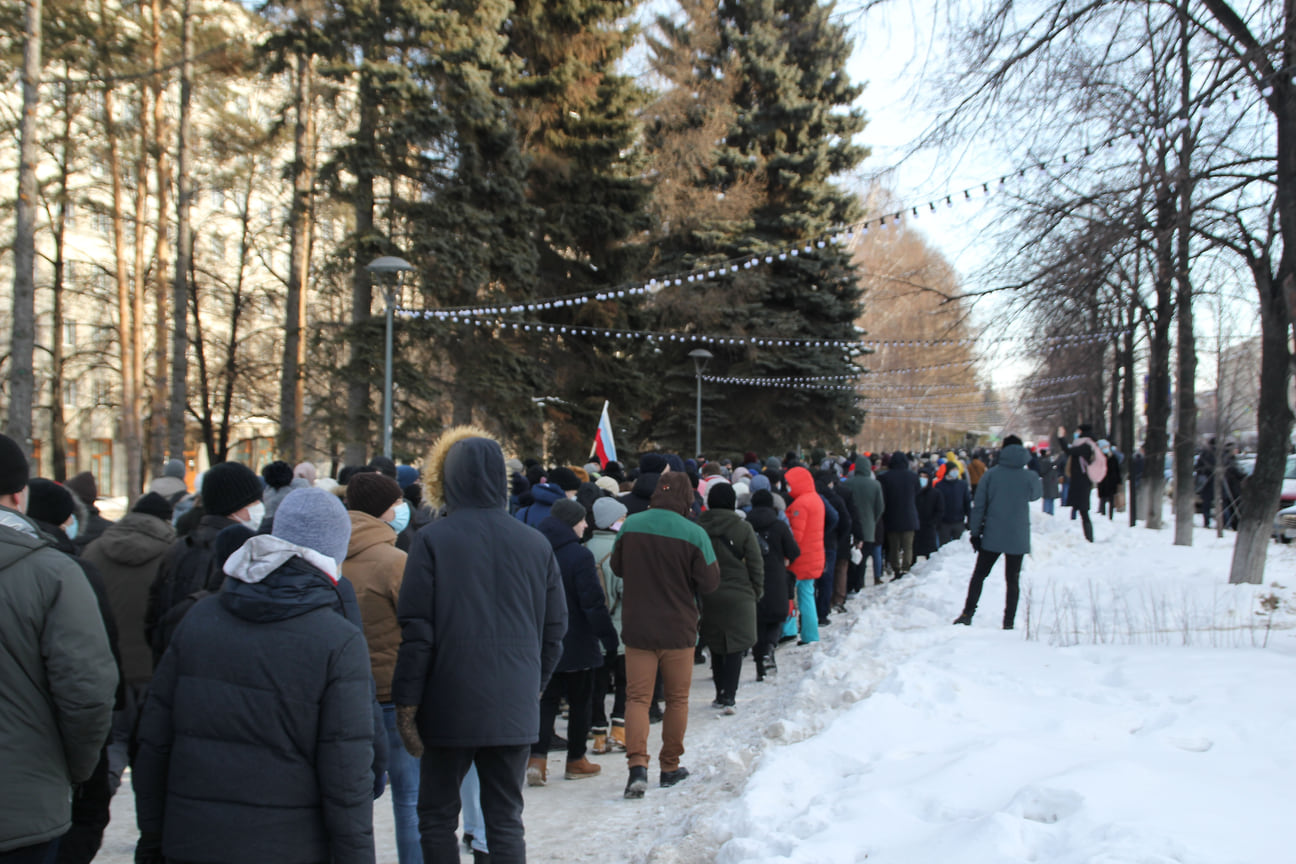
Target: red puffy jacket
806,516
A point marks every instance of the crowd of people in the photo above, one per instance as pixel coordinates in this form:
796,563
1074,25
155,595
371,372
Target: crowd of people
270,654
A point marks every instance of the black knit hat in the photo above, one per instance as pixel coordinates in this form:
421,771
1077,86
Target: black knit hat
721,496
13,467
383,465
48,501
84,487
567,511
277,474
372,493
229,487
153,504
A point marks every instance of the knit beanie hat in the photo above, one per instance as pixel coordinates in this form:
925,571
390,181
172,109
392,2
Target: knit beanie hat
154,504
277,474
306,471
48,501
406,475
607,511
676,462
743,493
514,466
758,482
774,463
721,496
174,468
317,520
567,511
13,467
229,487
565,478
762,498
84,487
372,493
608,485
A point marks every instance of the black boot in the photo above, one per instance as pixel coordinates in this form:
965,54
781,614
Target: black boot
965,618
638,782
760,668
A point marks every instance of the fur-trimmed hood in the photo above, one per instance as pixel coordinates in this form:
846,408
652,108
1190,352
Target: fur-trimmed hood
465,468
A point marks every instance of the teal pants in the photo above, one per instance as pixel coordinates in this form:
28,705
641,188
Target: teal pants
806,608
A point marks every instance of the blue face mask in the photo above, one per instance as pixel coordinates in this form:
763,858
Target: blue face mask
922,481
71,530
402,518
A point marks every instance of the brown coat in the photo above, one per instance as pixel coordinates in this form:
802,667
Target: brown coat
976,468
375,567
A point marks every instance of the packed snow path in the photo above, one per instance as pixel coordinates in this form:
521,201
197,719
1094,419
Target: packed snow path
1133,715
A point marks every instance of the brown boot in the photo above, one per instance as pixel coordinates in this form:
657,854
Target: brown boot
600,745
616,742
581,768
537,771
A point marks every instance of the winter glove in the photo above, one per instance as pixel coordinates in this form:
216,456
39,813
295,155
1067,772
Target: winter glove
408,730
380,784
148,850
610,643
975,540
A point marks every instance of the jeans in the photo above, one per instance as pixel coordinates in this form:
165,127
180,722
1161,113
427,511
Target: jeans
1048,505
36,854
403,778
474,823
805,589
877,563
1012,574
501,771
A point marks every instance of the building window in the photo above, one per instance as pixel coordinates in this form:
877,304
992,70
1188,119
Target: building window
218,248
70,393
69,333
70,460
101,392
217,197
100,451
102,222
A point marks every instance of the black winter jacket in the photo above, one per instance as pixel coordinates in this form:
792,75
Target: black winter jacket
636,500
930,506
481,608
256,742
780,587
956,501
588,621
900,491
187,567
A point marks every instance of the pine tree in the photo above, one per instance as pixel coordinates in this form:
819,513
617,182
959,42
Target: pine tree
791,134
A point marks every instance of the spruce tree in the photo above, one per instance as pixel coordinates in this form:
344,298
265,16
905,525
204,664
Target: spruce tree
783,65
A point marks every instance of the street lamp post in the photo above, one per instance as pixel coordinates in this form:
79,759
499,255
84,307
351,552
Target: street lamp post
388,265
700,357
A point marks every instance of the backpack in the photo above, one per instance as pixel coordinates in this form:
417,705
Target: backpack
1096,469
764,543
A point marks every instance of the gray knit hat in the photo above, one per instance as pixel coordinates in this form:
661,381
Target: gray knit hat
174,468
316,519
607,511
568,511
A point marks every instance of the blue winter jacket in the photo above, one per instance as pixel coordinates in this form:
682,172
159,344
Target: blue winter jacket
256,742
543,495
588,621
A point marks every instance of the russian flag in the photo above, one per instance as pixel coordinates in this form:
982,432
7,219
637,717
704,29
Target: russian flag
604,446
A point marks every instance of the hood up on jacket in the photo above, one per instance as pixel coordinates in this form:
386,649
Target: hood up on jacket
645,485
136,539
263,554
800,482
1014,456
465,469
296,586
898,462
673,492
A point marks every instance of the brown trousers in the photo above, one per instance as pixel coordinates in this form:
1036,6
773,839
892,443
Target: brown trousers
839,580
641,674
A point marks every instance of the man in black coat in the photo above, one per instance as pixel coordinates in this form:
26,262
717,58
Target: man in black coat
900,492
257,739
483,614
588,624
231,495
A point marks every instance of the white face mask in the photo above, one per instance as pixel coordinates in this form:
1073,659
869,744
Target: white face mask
256,512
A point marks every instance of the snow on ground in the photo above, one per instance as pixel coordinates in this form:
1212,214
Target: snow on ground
1140,712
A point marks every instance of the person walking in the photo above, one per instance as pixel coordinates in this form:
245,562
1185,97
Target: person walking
930,505
128,555
1048,479
588,624
900,489
729,613
867,493
58,678
375,569
1110,484
805,517
1000,525
608,514
778,549
87,491
664,561
956,503
257,739
482,616
1079,453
